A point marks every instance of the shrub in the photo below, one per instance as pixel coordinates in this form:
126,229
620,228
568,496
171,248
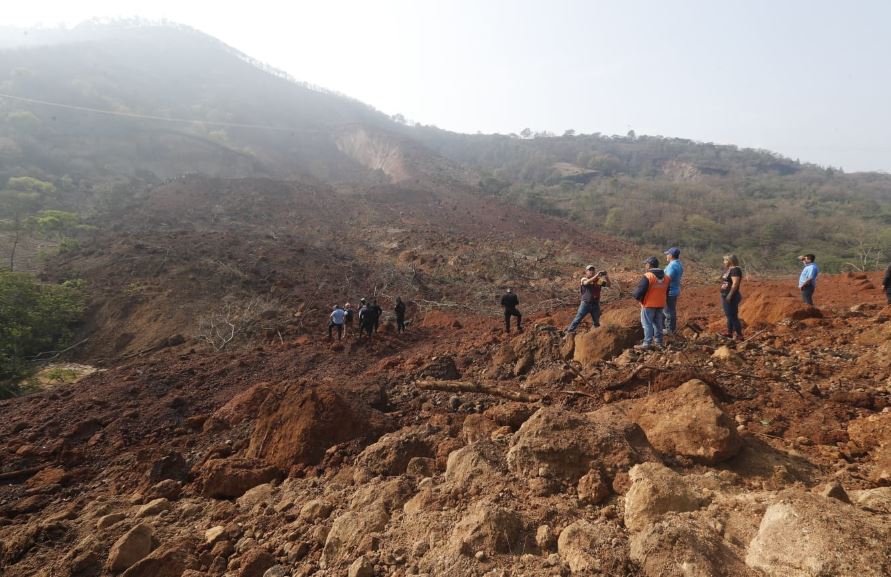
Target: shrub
34,318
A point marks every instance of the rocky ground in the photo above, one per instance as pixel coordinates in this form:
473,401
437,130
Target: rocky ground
456,450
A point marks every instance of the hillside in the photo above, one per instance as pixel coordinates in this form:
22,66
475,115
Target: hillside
711,199
196,421
229,116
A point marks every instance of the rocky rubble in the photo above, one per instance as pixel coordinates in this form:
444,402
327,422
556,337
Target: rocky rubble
676,462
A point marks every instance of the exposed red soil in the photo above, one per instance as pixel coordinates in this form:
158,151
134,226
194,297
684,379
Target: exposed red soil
289,402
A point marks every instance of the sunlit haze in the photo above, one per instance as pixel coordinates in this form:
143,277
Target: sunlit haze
805,79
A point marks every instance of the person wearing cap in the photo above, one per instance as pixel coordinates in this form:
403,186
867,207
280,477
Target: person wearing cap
675,270
510,301
589,287
651,292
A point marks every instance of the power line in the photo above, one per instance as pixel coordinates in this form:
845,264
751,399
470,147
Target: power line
146,116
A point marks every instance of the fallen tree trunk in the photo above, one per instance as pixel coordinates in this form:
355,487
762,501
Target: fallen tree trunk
468,387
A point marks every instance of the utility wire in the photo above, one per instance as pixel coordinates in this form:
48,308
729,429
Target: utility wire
147,116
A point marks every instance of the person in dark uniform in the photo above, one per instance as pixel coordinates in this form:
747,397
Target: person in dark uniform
510,302
377,313
886,283
399,309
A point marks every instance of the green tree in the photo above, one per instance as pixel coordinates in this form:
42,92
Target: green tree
34,318
19,200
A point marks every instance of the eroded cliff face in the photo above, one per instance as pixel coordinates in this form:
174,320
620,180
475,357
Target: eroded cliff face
375,151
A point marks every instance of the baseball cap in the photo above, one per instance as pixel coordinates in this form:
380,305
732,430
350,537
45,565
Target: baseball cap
652,261
590,267
674,251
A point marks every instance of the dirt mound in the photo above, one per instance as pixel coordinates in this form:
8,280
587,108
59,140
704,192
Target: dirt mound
760,308
298,423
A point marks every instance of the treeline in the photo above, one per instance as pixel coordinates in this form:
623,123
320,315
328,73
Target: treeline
710,199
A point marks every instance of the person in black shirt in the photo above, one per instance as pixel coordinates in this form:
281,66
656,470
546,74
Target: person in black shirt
399,309
377,311
510,301
886,283
730,295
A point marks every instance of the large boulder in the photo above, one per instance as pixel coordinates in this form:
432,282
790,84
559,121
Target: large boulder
687,421
807,535
604,343
683,547
655,491
230,478
244,405
163,562
349,530
588,548
489,528
298,425
564,445
392,452
474,467
872,433
133,546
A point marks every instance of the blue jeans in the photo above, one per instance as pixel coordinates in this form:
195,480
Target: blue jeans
671,313
652,321
731,311
584,310
807,294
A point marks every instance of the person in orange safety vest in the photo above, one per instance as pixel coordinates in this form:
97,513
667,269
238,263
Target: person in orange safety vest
652,293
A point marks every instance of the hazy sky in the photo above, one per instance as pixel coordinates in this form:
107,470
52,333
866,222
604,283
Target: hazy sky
809,79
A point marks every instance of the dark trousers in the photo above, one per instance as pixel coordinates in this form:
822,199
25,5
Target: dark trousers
400,323
367,328
731,311
512,312
671,313
339,330
585,309
807,294
888,294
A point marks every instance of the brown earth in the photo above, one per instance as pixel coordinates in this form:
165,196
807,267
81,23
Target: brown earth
285,449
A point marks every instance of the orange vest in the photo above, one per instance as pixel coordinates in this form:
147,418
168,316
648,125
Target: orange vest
656,292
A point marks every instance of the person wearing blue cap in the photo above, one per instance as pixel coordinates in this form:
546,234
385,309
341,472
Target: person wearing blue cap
675,270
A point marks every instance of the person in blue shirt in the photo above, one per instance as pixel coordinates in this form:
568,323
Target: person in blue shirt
675,270
807,282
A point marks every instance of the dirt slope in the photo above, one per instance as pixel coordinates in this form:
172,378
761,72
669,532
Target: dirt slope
435,482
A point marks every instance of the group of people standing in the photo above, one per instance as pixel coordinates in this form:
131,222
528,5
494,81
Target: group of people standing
658,292
341,318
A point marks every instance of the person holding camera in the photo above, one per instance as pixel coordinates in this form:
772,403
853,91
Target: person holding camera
589,287
807,282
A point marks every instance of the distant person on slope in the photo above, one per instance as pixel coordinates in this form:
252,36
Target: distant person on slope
377,312
348,318
731,296
651,292
510,301
589,289
399,309
675,270
366,320
807,281
886,283
336,320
